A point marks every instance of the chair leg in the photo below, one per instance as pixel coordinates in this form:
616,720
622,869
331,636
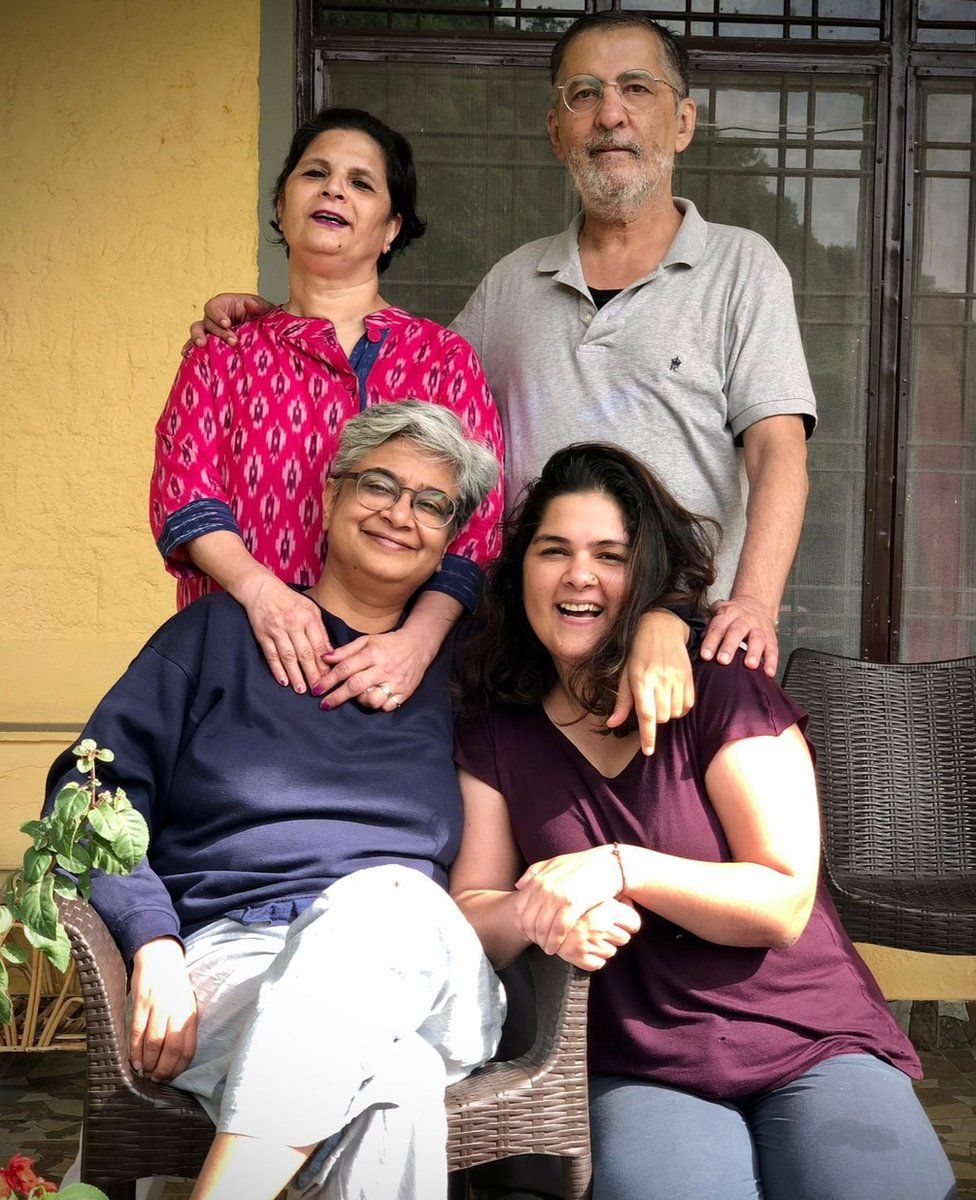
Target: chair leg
577,1176
458,1186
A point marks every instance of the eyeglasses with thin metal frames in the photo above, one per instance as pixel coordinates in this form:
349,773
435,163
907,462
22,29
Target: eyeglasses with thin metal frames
431,507
633,101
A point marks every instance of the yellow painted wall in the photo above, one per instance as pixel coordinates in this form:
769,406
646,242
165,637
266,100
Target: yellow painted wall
128,188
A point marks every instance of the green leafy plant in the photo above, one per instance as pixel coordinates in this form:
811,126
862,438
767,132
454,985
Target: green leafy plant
87,829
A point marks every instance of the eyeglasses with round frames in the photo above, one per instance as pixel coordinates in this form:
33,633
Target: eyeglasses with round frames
636,90
379,490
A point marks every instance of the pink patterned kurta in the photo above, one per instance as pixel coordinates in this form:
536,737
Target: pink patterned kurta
249,432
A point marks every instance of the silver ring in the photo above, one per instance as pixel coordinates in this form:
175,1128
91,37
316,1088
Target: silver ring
387,690
397,701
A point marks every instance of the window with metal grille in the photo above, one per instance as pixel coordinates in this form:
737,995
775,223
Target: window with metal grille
809,114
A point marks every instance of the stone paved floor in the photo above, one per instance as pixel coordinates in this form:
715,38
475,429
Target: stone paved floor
41,1102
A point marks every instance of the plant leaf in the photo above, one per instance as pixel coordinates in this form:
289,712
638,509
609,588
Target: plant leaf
36,830
64,887
105,858
70,803
133,842
36,864
80,1191
57,949
77,861
6,1009
4,979
85,887
13,952
106,822
105,756
37,907
6,920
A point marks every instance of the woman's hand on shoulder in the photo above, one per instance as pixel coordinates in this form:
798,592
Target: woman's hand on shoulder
657,682
555,893
599,934
163,1025
223,313
381,670
288,627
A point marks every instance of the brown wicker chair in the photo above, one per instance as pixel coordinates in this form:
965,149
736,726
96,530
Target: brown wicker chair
896,769
535,1104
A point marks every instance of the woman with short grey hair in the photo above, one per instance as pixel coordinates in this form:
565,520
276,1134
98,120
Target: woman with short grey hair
296,962
438,433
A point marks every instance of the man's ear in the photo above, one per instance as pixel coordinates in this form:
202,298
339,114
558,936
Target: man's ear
687,118
552,127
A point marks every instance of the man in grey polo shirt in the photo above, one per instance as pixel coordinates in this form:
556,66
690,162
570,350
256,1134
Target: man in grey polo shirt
643,324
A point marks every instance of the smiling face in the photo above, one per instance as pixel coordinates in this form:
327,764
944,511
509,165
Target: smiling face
620,160
388,549
336,203
574,575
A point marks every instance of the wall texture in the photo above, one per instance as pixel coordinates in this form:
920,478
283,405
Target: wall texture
128,184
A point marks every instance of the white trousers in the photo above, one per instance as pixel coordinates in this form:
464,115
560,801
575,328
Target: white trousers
343,1029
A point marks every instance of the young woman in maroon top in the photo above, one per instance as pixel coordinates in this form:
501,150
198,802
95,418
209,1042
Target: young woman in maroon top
739,1047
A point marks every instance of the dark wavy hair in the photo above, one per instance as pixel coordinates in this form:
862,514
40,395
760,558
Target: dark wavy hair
675,54
671,563
401,174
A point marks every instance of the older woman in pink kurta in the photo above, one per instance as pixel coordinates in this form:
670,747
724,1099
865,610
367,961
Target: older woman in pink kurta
245,442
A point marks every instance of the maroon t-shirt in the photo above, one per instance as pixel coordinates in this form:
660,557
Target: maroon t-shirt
722,1021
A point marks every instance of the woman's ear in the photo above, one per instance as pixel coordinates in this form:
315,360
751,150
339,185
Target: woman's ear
328,503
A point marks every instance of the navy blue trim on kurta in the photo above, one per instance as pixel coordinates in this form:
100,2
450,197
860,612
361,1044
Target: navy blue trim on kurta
458,577
193,520
364,355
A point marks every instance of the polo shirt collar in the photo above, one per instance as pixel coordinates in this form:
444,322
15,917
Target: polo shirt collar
561,257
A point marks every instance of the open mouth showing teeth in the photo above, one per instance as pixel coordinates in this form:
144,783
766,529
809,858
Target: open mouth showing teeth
579,610
327,218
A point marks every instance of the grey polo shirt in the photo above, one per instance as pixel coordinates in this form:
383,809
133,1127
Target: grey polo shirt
674,368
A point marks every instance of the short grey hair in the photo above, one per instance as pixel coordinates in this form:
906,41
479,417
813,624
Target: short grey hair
438,434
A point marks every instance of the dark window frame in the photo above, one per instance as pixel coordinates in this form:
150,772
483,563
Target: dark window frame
900,61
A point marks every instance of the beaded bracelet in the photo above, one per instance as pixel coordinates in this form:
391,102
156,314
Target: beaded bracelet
620,863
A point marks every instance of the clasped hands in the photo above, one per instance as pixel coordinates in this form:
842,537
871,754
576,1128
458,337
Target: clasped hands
570,905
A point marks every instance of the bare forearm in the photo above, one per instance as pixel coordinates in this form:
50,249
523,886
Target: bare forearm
223,556
493,917
730,903
432,617
778,489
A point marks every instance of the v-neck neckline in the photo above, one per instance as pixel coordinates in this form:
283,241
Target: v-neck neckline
557,731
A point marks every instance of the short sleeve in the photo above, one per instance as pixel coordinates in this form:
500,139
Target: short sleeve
766,369
474,748
470,321
733,703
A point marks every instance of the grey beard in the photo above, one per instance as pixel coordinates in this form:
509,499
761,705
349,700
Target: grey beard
614,199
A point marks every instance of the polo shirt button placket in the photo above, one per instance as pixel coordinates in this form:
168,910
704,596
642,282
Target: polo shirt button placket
587,313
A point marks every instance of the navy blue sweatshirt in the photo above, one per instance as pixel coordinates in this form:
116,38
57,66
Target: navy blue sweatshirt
255,798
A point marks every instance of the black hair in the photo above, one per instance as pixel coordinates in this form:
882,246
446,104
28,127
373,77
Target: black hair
401,174
675,54
670,563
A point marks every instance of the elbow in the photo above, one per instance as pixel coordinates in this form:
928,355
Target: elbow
784,929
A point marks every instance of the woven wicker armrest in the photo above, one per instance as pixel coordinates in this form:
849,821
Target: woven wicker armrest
121,1141
537,1103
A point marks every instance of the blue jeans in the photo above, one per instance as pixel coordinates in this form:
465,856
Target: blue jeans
850,1128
